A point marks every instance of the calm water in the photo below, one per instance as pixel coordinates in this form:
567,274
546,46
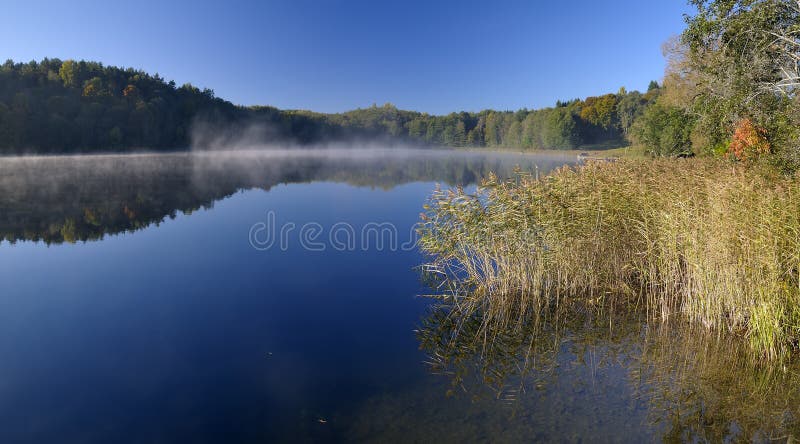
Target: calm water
141,301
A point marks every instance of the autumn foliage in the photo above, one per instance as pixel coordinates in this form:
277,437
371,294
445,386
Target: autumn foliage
131,92
749,141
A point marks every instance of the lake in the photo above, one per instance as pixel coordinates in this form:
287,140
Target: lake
277,296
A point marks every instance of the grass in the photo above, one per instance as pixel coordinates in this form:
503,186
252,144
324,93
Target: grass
707,241
626,152
600,151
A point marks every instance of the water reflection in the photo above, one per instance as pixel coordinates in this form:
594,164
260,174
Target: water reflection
679,385
68,199
197,325
703,388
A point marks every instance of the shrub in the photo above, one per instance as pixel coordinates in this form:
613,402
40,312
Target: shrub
664,130
749,141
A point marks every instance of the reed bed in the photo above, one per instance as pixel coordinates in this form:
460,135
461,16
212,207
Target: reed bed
707,240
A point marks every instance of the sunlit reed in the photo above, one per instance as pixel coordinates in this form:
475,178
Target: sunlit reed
708,241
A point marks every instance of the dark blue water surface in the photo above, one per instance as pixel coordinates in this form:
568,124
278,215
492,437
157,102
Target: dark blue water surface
133,308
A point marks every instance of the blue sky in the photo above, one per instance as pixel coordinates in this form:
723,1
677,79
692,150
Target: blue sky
335,55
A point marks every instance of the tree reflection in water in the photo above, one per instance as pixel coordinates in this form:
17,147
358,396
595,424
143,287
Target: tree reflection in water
83,198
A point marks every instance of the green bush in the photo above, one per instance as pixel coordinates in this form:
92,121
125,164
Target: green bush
664,130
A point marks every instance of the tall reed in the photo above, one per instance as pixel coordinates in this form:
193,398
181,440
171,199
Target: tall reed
714,242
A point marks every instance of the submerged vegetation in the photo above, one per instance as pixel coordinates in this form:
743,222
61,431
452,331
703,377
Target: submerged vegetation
684,385
711,241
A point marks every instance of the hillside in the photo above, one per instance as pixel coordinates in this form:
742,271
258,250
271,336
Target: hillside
55,106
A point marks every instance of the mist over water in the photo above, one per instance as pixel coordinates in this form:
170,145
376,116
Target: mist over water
58,198
254,134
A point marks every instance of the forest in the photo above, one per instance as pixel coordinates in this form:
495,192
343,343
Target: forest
55,106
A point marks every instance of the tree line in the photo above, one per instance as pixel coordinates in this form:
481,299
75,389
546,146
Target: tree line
54,106
604,120
730,88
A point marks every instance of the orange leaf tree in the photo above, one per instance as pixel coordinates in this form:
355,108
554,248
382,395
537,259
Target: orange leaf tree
749,141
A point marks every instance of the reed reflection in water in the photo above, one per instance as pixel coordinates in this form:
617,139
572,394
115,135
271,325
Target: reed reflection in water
684,385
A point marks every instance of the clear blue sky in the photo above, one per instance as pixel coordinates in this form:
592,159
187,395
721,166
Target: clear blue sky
334,55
